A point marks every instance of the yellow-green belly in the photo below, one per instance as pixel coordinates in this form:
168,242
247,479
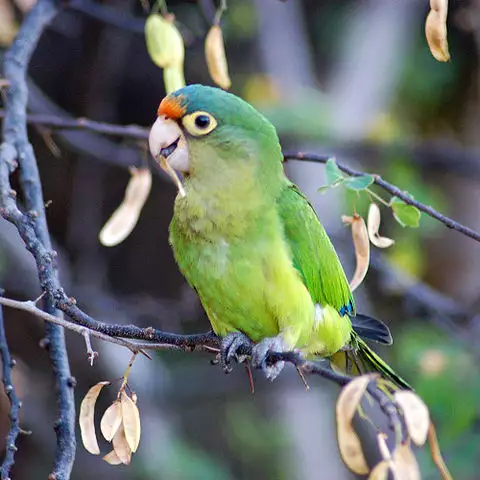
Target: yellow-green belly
254,289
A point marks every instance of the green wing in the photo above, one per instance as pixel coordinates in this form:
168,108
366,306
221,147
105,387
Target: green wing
313,252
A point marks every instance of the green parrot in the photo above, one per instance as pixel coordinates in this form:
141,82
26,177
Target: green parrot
249,242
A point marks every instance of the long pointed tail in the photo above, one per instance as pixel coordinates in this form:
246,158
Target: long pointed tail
363,359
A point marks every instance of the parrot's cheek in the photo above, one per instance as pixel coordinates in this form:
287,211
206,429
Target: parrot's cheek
179,159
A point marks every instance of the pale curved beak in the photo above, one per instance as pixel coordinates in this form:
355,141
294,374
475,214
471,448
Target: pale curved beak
167,141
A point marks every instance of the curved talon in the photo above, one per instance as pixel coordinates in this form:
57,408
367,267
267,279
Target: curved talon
229,347
260,353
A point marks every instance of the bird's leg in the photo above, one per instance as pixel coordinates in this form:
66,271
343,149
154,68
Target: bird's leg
260,353
230,347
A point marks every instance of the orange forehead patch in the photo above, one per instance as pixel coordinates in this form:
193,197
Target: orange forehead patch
172,107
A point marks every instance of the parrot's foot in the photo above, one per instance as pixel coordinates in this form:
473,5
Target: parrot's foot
260,352
229,349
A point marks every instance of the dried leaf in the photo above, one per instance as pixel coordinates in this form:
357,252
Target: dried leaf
383,447
9,25
350,396
164,41
125,217
373,223
111,420
86,417
417,417
25,5
405,464
362,248
216,57
348,441
121,447
380,472
112,458
131,422
436,30
351,449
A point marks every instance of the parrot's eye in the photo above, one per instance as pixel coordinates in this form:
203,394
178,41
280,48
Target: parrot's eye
199,123
202,121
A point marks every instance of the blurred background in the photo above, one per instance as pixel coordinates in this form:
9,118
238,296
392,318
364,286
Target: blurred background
354,79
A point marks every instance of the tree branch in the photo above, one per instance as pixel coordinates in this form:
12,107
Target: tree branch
136,132
132,132
390,188
210,343
15,404
16,146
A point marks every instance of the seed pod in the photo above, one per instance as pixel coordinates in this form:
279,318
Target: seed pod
216,57
405,464
436,30
373,223
131,422
362,248
112,458
121,447
380,472
123,220
173,78
164,41
87,410
111,421
415,412
348,441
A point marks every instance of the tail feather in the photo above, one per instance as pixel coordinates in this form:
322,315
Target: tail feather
362,359
372,329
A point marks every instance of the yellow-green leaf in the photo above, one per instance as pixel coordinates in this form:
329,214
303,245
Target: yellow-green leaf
332,173
359,183
406,215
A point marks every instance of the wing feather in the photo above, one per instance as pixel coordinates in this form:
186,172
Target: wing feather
313,253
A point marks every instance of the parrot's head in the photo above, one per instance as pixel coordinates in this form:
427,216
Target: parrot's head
199,124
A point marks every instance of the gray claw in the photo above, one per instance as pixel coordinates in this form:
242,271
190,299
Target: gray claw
260,352
229,347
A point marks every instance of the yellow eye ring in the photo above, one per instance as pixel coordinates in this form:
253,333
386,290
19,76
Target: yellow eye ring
199,123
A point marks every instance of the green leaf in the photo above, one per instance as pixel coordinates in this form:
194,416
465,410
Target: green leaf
332,172
359,183
405,215
324,188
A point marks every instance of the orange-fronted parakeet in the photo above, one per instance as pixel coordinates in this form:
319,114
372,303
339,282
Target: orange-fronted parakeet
248,241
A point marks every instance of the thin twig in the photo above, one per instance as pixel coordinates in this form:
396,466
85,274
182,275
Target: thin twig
15,404
54,122
91,354
437,454
392,189
30,307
